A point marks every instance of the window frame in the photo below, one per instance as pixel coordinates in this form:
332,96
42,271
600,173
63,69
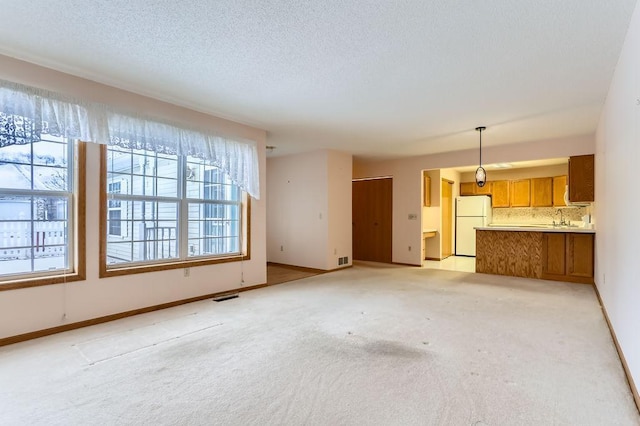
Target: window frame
162,265
77,245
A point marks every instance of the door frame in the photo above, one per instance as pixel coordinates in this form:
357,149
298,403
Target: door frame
451,219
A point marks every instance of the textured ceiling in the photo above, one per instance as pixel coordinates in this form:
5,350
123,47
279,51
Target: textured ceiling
374,77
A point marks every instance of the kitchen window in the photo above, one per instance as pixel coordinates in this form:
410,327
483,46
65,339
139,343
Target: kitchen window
165,211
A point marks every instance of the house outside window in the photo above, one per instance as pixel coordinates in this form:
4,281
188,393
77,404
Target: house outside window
38,200
167,209
115,212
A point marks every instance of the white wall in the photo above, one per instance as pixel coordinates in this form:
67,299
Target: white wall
309,209
37,308
340,230
297,209
617,200
407,177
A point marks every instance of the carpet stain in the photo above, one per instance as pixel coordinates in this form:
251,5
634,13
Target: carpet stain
358,346
392,349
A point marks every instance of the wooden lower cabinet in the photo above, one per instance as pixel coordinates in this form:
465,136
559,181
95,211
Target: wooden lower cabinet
580,257
517,254
567,257
553,255
558,256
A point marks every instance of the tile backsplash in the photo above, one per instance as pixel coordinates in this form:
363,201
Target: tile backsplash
538,215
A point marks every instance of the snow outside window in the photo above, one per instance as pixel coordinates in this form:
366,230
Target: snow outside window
37,194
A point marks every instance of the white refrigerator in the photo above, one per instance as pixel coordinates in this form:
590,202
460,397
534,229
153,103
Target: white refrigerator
471,211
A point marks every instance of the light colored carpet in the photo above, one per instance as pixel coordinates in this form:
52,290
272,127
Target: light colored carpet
369,345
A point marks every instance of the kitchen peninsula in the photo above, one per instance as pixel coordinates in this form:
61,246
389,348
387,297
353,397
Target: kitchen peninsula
536,251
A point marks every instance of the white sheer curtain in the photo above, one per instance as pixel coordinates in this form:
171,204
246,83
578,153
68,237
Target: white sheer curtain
239,159
26,113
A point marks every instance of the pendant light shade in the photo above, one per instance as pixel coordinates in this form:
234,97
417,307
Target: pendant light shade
481,174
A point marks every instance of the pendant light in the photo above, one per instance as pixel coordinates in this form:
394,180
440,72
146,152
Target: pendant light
481,174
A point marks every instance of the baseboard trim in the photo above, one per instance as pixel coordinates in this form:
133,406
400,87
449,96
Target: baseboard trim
625,366
406,264
339,268
94,321
437,259
300,268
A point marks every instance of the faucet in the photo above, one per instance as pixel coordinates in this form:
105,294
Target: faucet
562,221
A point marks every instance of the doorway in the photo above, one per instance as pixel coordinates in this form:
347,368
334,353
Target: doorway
447,218
372,219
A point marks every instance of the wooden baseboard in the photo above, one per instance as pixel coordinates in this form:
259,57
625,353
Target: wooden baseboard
339,268
625,366
300,268
406,264
437,259
67,327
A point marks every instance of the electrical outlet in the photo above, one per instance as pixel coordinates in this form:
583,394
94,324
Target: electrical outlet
335,251
409,248
187,272
281,248
413,216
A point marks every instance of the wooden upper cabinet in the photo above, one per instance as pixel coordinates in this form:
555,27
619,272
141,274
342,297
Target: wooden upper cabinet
468,188
500,195
485,190
427,189
581,178
542,192
559,187
521,193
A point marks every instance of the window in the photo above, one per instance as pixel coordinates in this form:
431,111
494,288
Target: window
40,231
167,211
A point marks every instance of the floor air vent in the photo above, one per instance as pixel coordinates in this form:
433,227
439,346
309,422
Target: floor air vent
225,297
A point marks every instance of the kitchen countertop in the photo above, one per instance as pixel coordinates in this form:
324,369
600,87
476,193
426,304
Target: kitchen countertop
535,228
429,232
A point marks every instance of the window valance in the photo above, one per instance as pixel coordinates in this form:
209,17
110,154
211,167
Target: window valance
26,113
